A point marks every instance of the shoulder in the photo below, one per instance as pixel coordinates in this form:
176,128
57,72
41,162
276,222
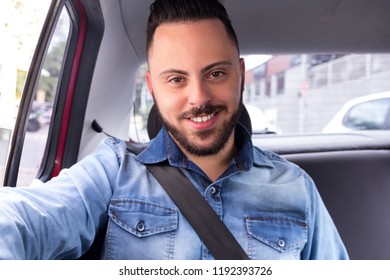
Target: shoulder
281,165
110,147
112,143
261,156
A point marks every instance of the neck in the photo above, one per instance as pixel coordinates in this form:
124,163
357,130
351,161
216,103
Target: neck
214,165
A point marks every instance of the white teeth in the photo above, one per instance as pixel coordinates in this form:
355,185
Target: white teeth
202,119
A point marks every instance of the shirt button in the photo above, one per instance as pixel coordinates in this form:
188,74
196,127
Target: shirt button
281,243
213,190
141,226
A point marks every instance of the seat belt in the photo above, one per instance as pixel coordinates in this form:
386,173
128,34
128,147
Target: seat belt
209,227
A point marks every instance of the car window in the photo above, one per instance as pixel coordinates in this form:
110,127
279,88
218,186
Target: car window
42,107
20,25
299,93
370,115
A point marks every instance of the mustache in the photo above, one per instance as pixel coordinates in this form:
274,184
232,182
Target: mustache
201,110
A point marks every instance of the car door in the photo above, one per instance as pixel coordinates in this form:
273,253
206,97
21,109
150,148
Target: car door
48,125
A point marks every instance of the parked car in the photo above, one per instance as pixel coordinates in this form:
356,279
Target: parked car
261,124
99,51
370,112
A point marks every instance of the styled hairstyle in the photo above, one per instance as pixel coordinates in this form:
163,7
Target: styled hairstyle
172,11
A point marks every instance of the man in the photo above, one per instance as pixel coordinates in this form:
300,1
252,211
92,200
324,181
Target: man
196,78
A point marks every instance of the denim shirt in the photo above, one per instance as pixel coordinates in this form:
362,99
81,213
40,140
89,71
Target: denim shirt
271,206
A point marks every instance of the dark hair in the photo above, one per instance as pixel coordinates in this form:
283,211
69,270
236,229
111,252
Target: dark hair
170,11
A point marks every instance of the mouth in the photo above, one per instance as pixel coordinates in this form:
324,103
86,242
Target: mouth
202,119
203,122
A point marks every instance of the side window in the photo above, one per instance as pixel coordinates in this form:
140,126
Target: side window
42,108
5,133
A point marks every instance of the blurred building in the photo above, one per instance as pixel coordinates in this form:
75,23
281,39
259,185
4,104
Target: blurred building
301,93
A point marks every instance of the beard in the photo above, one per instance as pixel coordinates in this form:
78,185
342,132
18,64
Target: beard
220,134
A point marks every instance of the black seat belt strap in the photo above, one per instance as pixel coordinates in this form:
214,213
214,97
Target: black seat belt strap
212,231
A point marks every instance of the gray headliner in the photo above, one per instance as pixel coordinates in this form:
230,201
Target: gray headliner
288,26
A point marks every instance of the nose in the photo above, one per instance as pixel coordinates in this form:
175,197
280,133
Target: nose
199,93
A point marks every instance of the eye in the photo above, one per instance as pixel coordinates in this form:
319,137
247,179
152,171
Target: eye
216,74
176,80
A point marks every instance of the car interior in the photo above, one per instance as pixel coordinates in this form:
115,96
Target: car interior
105,48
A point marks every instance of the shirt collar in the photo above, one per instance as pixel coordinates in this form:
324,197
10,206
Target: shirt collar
162,148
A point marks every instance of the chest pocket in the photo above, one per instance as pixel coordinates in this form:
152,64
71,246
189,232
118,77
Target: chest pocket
140,229
142,218
275,237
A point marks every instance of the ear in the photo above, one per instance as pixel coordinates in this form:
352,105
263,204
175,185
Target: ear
148,78
242,67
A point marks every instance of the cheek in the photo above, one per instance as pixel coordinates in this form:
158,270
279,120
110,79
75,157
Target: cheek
168,106
235,93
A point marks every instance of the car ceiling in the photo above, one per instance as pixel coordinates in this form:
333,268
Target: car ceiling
288,26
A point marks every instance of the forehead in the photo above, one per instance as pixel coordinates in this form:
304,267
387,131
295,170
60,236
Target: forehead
191,37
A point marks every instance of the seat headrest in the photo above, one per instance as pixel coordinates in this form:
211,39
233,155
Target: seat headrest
154,121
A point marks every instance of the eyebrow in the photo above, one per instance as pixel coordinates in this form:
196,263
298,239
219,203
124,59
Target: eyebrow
219,63
205,69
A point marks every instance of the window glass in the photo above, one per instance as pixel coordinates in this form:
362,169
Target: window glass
299,93
42,107
20,25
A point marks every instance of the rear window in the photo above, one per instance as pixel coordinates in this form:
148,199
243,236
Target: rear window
300,93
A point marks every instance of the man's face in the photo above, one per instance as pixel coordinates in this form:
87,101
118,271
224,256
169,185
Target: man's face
195,76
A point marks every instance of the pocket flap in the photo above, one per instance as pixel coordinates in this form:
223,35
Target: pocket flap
280,232
143,218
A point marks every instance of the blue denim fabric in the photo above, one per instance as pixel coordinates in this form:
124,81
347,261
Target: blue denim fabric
271,206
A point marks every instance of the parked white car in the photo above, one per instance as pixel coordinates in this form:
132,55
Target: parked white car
261,124
369,112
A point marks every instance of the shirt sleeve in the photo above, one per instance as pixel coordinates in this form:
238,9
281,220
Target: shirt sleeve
324,241
59,219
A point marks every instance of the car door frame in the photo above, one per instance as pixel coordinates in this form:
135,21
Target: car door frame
62,146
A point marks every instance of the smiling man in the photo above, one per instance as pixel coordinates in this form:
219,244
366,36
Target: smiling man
196,78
